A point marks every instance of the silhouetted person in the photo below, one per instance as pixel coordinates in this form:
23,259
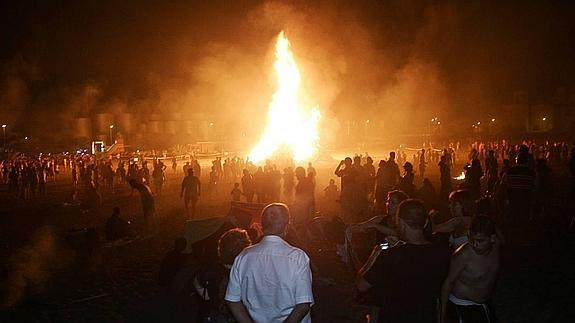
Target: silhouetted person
348,176
190,191
197,168
444,178
173,262
406,181
491,167
422,164
391,174
146,197
186,167
260,183
331,191
303,208
92,199
473,175
369,169
159,178
248,185
311,173
361,202
116,227
380,187
214,182
427,194
174,164
289,183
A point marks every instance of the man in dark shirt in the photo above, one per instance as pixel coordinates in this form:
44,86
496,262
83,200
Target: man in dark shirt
408,277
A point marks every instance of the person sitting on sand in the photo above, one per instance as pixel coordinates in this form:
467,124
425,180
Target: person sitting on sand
116,227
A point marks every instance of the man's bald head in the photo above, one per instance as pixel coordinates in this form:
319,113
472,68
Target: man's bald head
275,218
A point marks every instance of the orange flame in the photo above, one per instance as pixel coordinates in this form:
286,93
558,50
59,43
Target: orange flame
288,125
460,177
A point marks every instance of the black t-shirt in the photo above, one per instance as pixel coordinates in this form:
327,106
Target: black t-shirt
408,279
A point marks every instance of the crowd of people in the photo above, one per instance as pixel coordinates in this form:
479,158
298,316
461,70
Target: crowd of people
27,177
434,253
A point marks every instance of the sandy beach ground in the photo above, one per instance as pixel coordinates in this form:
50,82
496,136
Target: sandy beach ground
44,279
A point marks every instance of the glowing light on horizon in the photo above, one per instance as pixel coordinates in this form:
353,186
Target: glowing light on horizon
289,125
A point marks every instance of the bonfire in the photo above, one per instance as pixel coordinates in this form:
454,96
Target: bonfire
290,128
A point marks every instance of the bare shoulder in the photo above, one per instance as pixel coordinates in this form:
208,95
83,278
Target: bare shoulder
462,253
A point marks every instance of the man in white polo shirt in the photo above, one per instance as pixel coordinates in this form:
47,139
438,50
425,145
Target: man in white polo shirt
271,281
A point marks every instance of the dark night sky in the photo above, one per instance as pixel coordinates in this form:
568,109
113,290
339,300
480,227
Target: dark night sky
133,51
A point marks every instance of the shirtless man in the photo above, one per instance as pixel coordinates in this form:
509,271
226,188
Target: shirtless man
472,274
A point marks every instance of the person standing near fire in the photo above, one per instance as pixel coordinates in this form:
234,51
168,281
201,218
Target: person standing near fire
191,191
422,164
348,175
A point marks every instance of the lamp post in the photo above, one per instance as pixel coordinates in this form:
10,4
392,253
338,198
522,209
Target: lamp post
491,126
111,139
431,124
3,136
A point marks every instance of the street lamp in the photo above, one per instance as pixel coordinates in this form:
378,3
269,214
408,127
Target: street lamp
111,139
430,124
491,125
3,135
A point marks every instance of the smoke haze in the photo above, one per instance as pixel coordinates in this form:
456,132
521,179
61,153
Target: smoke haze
396,62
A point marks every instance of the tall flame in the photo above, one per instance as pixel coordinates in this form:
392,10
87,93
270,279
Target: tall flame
288,125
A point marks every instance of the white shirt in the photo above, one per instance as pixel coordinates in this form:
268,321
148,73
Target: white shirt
270,278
